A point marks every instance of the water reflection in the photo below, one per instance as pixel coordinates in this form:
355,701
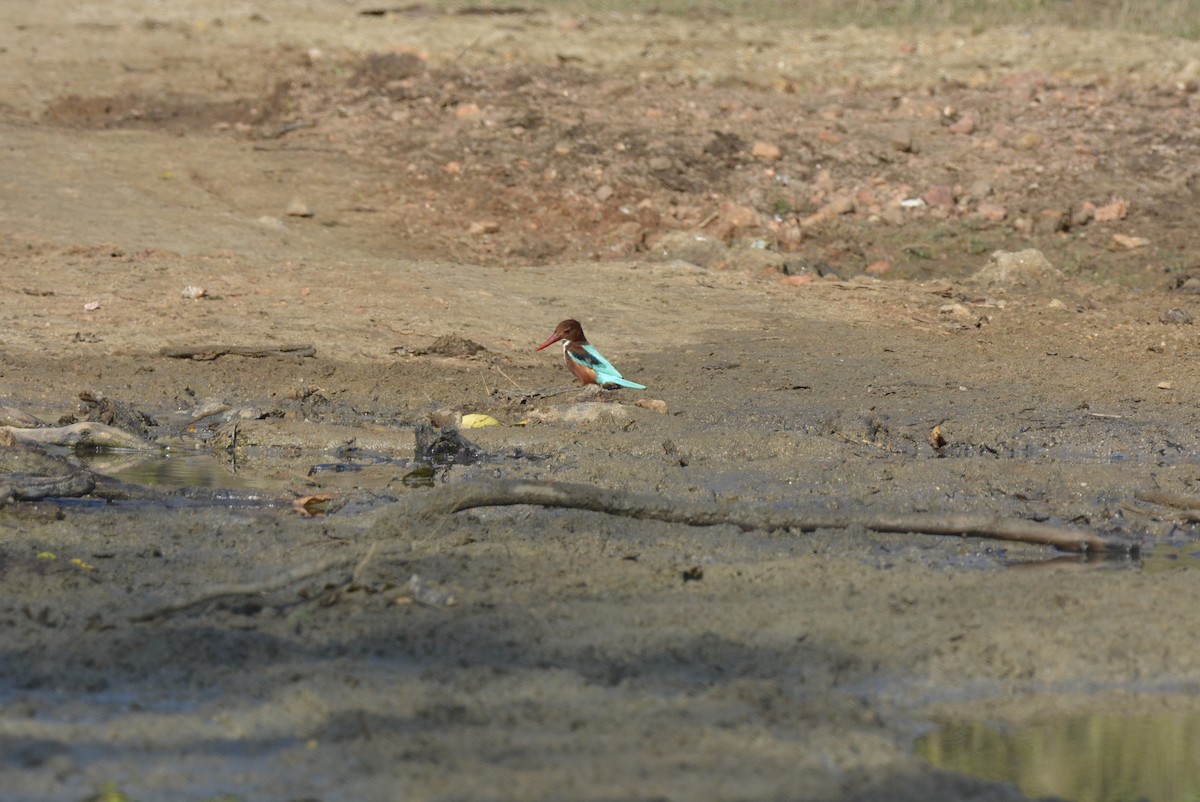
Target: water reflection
1103,757
175,470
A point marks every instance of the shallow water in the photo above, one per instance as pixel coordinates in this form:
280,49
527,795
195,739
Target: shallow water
1101,757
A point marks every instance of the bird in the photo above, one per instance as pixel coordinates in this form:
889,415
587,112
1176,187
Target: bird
585,361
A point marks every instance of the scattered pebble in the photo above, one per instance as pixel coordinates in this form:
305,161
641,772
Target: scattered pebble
939,196
902,140
1007,269
298,208
604,192
696,249
738,216
483,227
193,292
1111,212
1129,242
842,204
991,211
1030,140
954,310
1083,214
964,125
468,111
91,306
1165,386
767,152
1176,316
652,404
1190,286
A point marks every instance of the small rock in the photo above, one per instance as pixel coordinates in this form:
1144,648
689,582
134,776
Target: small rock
979,189
954,310
1055,303
1030,140
1165,386
738,216
991,211
467,111
939,196
1052,220
902,140
755,260
652,404
1190,286
1111,212
1083,214
298,208
964,125
1175,316
604,192
271,222
192,292
1129,242
659,163
692,248
1006,269
483,227
842,204
766,151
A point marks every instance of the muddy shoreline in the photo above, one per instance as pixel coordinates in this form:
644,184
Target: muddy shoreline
536,653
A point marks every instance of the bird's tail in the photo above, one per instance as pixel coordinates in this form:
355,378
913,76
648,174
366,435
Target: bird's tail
606,379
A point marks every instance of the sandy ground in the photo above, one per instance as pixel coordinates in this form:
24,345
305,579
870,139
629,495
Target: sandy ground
484,176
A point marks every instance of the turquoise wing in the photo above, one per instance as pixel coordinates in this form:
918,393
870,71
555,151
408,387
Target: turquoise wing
605,372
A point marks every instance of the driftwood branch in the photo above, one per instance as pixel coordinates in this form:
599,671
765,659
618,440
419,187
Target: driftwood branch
430,507
496,493
1188,506
206,352
84,433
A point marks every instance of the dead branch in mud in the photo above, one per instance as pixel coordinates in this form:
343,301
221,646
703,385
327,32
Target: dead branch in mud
428,507
1188,506
208,352
84,433
496,493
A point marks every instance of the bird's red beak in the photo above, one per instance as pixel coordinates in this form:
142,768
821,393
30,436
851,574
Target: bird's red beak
555,337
